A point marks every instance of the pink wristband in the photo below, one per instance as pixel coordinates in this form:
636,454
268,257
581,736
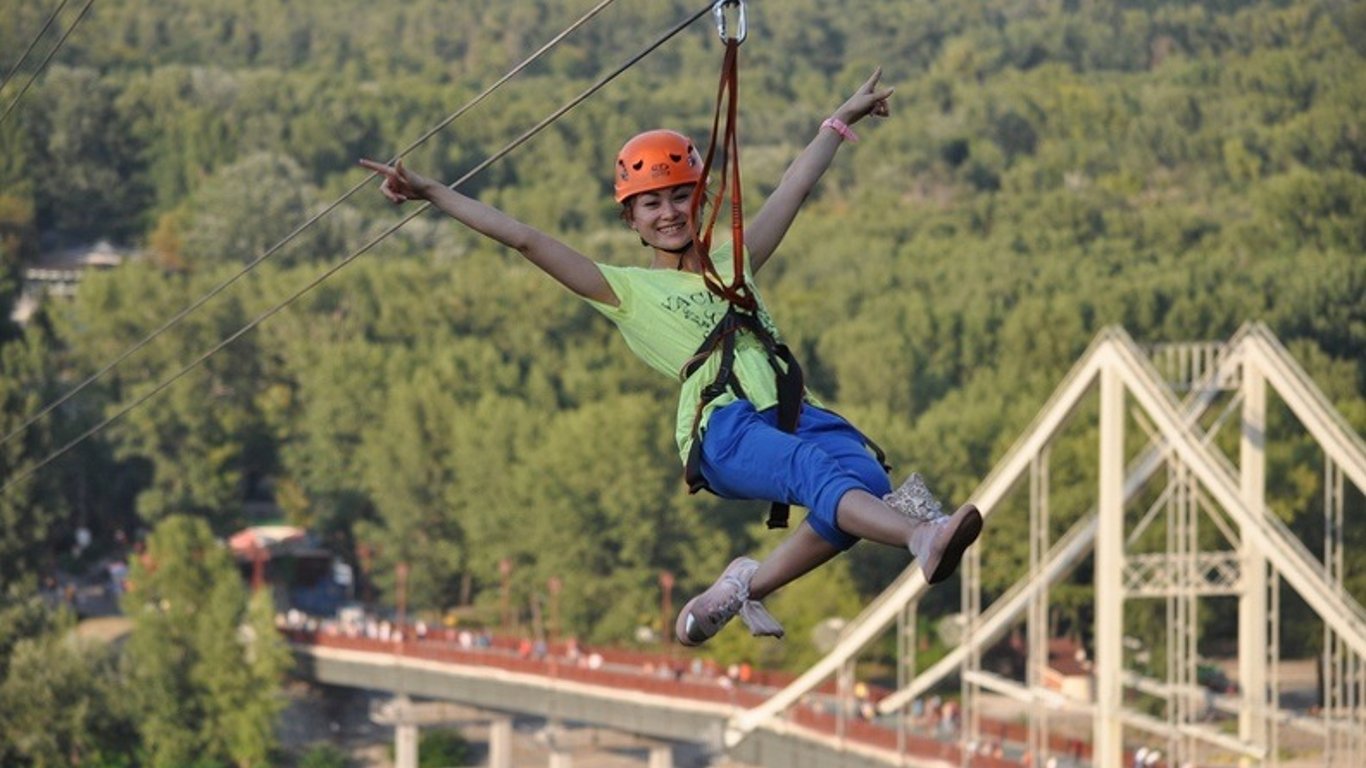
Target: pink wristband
839,126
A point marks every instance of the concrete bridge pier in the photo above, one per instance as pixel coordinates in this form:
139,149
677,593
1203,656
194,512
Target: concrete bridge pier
500,742
405,745
553,736
406,717
398,712
661,756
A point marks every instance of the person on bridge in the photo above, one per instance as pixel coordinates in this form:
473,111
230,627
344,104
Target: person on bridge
735,371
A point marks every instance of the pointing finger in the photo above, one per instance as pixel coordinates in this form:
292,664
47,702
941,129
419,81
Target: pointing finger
373,166
872,81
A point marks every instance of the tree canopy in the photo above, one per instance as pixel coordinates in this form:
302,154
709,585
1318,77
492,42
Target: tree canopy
1049,168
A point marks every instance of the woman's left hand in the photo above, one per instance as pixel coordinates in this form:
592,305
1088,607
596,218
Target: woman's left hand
867,100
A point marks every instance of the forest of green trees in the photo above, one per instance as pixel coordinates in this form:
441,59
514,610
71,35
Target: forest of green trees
1050,167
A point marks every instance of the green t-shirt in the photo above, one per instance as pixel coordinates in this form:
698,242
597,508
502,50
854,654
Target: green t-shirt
666,314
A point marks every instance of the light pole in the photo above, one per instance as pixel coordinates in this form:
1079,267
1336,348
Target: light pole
365,557
258,566
505,572
666,599
401,590
554,586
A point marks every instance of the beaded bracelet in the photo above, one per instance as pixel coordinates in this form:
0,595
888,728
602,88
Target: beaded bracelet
839,126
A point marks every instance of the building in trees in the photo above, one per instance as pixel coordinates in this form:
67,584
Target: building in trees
288,560
57,273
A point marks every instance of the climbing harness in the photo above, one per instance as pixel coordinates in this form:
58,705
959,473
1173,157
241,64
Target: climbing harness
790,389
742,312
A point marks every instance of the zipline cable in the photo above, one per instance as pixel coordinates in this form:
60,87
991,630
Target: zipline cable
49,408
46,59
514,144
24,56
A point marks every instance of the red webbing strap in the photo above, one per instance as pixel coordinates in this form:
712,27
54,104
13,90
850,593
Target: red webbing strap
727,94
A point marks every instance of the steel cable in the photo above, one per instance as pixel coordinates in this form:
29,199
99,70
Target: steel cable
515,143
24,56
217,289
46,59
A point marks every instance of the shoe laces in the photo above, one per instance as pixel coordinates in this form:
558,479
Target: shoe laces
914,500
734,584
738,595
759,620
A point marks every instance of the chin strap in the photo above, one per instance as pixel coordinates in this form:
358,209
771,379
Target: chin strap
680,252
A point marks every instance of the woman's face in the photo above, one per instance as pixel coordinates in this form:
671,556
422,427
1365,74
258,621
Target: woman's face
660,217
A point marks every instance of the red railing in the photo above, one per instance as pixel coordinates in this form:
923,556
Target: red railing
649,673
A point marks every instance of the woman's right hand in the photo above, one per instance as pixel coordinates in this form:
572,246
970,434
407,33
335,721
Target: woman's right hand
400,184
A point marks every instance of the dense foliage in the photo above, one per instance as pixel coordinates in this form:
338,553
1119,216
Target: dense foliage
195,681
1050,168
204,660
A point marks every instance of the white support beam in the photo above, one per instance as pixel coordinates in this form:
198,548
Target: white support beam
1252,596
1108,730
1062,556
1307,402
997,619
1299,568
1141,722
1112,350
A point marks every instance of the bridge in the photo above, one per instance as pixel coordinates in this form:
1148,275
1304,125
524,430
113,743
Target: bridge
1174,519
647,695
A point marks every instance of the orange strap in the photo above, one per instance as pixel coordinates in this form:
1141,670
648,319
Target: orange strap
727,94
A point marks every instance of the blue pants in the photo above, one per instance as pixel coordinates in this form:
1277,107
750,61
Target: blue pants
746,456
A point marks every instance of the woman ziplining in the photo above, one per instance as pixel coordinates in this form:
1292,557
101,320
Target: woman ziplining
746,428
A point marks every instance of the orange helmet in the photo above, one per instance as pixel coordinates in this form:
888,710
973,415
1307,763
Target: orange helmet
656,160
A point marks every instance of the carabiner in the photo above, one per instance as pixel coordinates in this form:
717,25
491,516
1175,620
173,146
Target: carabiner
719,10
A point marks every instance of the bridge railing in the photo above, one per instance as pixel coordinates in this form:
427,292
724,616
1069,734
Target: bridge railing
667,678
623,670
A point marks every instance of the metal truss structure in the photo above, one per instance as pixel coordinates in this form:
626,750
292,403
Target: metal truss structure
1175,521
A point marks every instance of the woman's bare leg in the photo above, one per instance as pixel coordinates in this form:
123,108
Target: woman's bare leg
937,542
866,516
799,553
